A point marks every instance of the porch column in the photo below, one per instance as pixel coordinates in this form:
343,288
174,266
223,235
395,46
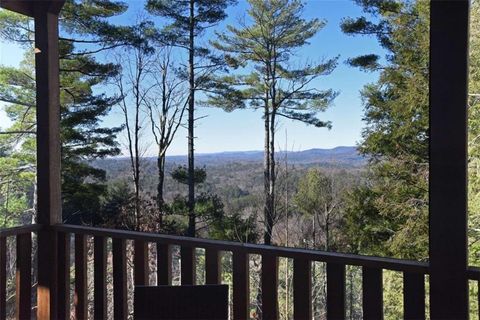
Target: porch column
49,209
448,158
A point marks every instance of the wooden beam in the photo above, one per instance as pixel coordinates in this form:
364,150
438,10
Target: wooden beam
23,293
187,265
141,268
293,253
269,285
63,285
120,295
302,289
213,266
100,299
241,285
49,206
28,7
449,23
80,300
164,264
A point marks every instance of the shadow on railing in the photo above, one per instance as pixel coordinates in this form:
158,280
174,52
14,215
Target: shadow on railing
372,269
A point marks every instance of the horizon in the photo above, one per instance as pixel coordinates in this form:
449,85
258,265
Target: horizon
236,151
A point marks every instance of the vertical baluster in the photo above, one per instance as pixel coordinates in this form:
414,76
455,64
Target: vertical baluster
63,275
241,285
372,293
80,300
213,270
187,256
302,289
24,276
141,262
335,291
3,278
120,308
164,264
414,295
269,286
100,301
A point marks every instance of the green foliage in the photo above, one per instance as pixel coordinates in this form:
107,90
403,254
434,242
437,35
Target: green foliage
117,207
206,12
180,174
188,19
210,215
85,31
390,214
267,47
315,192
367,230
263,50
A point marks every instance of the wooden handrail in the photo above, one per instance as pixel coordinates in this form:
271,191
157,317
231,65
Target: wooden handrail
473,273
308,254
8,232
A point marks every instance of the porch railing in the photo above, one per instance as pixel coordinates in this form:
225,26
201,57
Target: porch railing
372,268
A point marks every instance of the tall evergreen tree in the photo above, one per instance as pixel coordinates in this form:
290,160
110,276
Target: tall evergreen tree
264,48
85,30
392,209
189,19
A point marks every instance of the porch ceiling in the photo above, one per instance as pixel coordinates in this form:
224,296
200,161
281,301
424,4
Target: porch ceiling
27,7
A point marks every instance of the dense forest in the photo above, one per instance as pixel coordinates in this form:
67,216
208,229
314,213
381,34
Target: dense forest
368,199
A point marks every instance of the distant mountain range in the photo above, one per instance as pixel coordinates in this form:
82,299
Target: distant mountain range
238,168
341,156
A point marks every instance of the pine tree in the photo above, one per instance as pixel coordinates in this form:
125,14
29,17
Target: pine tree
389,216
189,19
85,31
267,46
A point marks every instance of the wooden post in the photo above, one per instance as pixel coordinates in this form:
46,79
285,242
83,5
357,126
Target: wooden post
49,208
448,159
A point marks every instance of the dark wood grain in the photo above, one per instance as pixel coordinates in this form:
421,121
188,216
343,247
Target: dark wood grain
335,291
186,302
448,251
164,264
100,301
293,253
80,296
187,268
241,285
213,271
63,275
24,276
269,283
140,262
413,296
120,307
372,284
302,289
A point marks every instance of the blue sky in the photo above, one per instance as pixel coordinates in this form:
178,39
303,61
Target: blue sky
243,129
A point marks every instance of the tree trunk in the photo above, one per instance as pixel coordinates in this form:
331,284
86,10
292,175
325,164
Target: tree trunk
191,119
267,237
161,180
273,174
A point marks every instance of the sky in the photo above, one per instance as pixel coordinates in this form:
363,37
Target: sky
242,130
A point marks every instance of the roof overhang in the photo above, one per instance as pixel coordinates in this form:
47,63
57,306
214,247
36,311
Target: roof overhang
29,7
